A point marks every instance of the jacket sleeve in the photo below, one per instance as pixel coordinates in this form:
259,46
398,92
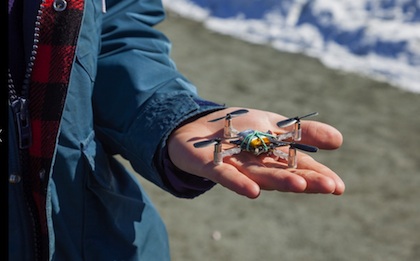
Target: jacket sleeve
140,97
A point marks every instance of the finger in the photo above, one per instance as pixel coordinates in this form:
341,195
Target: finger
229,177
200,163
316,182
269,175
305,162
321,135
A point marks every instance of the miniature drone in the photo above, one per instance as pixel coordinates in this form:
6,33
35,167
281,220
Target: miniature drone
257,142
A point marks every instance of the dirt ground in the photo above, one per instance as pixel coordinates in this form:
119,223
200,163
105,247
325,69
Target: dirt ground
378,217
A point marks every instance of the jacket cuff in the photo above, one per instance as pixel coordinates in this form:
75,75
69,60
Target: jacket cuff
180,183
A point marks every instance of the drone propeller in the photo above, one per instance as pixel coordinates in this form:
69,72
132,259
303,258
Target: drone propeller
304,147
205,143
287,122
231,115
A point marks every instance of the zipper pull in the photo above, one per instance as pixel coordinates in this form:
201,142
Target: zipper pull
20,108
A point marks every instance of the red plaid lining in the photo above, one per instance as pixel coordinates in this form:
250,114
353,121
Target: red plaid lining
47,93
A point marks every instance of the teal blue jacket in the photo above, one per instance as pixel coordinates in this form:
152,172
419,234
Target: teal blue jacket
125,97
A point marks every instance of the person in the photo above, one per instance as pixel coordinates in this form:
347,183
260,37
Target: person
89,80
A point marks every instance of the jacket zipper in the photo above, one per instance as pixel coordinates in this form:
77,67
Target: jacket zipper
19,105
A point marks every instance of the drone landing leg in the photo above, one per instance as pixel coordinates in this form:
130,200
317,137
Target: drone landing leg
219,154
228,130
297,132
292,159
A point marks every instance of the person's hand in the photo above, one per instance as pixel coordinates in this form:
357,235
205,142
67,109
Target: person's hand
247,174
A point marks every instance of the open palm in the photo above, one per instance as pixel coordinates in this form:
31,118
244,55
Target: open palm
247,174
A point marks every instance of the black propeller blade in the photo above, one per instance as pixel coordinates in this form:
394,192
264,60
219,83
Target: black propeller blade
205,143
304,147
290,121
231,115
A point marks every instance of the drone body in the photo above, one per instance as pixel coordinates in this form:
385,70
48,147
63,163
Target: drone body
257,142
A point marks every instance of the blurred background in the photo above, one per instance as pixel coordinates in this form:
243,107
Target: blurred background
376,38
355,62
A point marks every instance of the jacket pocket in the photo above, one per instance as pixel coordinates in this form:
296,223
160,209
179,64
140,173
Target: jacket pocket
97,162
108,175
116,210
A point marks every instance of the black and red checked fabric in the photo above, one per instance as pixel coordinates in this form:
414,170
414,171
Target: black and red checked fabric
58,35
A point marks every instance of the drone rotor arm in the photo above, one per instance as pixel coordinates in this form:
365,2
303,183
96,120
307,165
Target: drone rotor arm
284,136
280,154
231,152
